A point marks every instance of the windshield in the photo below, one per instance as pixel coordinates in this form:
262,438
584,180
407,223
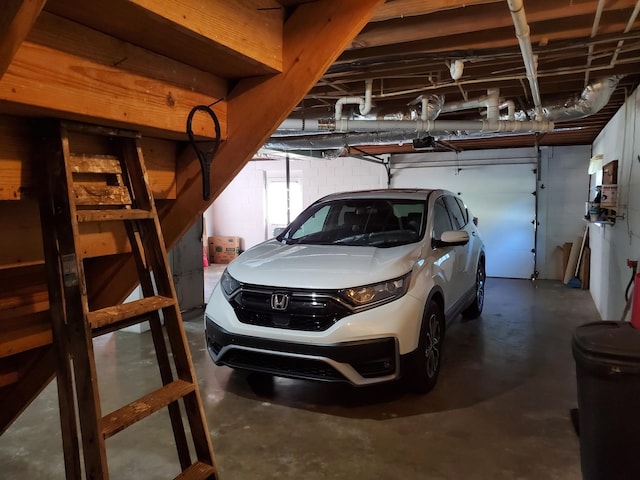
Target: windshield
366,222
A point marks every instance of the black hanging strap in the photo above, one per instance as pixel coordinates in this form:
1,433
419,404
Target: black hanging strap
204,156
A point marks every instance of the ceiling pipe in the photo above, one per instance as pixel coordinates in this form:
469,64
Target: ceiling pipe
364,103
594,31
510,106
300,125
522,32
431,126
396,132
431,106
332,141
595,96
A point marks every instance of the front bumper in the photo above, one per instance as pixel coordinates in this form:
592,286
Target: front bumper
362,362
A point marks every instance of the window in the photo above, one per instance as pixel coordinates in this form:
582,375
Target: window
314,224
457,217
276,202
441,220
465,212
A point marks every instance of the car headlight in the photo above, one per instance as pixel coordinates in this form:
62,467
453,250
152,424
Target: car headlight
372,295
229,284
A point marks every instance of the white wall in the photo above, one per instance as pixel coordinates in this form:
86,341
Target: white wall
563,190
240,209
611,246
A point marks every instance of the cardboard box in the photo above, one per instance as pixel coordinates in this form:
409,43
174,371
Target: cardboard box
609,196
223,249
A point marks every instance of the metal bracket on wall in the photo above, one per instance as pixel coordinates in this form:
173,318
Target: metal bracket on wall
367,157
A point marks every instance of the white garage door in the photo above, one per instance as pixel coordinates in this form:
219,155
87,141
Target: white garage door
501,197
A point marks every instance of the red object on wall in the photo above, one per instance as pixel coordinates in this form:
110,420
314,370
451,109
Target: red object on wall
635,311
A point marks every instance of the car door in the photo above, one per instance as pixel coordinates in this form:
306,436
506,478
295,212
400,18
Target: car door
466,264
444,263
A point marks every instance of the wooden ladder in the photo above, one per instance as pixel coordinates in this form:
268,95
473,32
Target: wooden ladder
80,189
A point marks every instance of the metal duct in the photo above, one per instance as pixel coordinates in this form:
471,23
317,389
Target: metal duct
388,132
338,140
431,106
595,96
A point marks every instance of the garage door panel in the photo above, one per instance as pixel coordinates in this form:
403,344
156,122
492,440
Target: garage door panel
501,197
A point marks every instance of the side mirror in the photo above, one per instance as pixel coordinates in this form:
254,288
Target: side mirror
278,231
452,238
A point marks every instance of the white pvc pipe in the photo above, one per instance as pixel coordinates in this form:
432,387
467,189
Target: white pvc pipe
363,103
522,32
491,102
299,125
511,109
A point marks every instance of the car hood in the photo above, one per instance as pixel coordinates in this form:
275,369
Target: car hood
321,266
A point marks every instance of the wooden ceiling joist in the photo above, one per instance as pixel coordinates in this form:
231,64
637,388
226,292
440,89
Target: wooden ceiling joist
16,19
69,86
209,35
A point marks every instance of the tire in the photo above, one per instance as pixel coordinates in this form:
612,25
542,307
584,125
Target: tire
475,309
424,367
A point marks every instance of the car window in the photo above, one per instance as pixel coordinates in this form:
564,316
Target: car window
313,224
457,217
463,207
377,222
441,220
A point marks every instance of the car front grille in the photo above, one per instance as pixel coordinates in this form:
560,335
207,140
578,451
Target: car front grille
306,310
282,365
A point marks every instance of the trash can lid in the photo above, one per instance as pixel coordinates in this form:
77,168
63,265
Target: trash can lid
609,338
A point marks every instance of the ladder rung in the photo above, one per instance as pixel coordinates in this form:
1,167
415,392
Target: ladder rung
82,163
113,214
141,408
197,471
101,195
123,311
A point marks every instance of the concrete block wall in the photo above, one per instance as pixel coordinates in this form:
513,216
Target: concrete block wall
240,209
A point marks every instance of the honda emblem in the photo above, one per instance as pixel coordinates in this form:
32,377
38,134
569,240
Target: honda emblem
279,301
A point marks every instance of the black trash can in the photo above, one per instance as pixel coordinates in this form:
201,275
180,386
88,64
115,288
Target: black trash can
607,356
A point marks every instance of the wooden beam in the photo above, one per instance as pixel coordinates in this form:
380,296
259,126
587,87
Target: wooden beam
60,84
411,8
71,37
260,35
228,39
16,19
314,35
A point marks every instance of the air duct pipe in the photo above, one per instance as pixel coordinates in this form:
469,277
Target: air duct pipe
333,141
595,96
431,106
495,126
522,32
364,103
359,132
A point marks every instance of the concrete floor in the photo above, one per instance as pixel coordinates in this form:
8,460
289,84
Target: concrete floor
500,409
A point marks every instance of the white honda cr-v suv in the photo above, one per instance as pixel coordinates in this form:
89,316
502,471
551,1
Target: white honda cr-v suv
358,288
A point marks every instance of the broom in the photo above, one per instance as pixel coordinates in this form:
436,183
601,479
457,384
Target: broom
575,282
